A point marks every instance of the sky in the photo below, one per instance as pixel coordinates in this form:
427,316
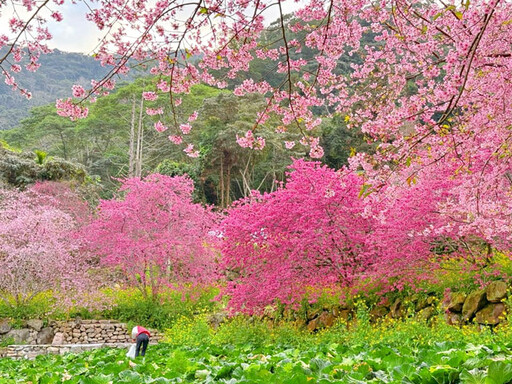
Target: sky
73,34
76,34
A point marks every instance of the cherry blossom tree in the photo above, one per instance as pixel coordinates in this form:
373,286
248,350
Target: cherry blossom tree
155,234
65,197
431,82
39,251
325,229
310,233
432,68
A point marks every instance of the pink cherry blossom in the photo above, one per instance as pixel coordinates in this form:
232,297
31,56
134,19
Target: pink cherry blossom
176,139
154,111
151,96
189,150
160,127
78,91
193,117
155,231
185,128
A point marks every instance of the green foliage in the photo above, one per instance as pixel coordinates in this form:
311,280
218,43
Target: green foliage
131,307
20,169
6,341
40,157
234,171
101,142
6,146
224,172
37,308
465,275
340,143
174,168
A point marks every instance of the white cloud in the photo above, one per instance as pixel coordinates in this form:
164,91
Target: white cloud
73,34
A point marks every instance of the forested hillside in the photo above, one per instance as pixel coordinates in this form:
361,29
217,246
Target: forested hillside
58,72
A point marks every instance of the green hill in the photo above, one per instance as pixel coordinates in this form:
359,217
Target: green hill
58,72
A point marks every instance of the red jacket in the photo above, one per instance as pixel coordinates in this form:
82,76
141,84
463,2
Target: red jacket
137,330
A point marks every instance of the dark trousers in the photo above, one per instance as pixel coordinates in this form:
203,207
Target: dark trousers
142,340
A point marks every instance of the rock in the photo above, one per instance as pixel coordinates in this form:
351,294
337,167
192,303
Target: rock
326,319
426,313
491,314
45,336
20,336
421,303
378,312
58,339
53,350
314,314
453,318
4,326
216,319
457,300
35,324
474,302
397,309
63,351
345,314
496,291
313,325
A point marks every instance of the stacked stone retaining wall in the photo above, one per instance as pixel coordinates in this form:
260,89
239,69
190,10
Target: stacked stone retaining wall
486,307
31,351
70,332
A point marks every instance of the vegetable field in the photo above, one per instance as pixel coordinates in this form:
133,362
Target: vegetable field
445,362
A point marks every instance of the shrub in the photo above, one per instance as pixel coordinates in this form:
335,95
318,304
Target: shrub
40,306
130,306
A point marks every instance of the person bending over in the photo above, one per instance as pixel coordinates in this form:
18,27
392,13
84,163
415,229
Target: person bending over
141,336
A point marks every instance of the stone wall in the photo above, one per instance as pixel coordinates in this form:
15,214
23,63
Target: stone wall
70,332
31,351
483,306
486,307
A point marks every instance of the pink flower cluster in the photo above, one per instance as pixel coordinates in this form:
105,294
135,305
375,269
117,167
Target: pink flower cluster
249,141
160,127
69,109
189,150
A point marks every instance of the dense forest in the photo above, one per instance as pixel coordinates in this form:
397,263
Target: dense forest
119,140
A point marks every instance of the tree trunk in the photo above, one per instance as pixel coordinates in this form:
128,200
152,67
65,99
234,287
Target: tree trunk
228,186
131,153
221,181
64,149
138,153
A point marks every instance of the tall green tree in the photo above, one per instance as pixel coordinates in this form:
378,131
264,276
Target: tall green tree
229,171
